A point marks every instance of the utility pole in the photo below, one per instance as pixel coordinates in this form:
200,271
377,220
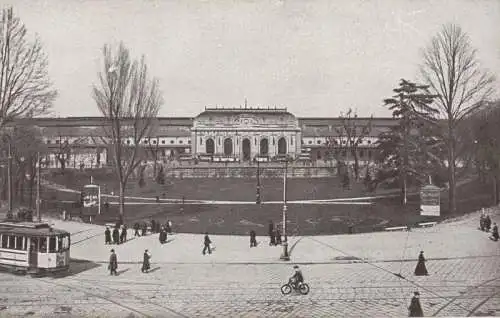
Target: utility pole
257,199
285,256
9,177
38,177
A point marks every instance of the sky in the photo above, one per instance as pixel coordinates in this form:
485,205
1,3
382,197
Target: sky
317,58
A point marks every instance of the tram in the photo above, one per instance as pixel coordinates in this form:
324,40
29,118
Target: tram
33,248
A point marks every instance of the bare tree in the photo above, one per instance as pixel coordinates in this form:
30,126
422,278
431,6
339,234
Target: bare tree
25,89
130,102
453,72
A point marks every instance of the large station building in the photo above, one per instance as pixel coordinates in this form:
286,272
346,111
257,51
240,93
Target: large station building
216,134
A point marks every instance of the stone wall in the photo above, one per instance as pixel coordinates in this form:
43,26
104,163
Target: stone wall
249,172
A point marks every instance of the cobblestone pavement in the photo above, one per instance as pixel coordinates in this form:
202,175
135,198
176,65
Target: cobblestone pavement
455,287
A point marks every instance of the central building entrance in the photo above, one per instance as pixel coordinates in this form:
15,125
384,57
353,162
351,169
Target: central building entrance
246,148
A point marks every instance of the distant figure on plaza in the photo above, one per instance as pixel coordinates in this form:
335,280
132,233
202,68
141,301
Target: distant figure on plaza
169,226
145,262
494,232
415,309
113,263
116,236
277,235
144,229
123,235
421,270
107,236
272,240
206,244
253,240
163,236
487,223
136,229
482,220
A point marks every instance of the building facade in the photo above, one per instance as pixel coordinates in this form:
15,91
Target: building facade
216,134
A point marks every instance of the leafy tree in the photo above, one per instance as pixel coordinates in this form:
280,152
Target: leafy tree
452,70
404,151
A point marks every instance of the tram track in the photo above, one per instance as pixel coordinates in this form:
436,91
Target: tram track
467,291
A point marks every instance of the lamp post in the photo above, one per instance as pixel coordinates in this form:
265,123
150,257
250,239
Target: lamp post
257,199
38,178
285,256
9,177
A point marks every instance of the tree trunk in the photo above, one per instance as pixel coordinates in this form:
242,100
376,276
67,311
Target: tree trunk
31,192
495,189
122,200
451,175
356,164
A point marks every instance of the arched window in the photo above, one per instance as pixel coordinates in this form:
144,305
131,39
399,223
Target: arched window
282,146
210,146
228,146
264,147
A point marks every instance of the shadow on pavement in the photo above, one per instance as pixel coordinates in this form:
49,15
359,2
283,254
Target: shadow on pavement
77,266
118,273
154,269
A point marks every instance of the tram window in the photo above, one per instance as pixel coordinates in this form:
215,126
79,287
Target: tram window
4,241
34,244
43,245
12,242
19,242
60,243
52,244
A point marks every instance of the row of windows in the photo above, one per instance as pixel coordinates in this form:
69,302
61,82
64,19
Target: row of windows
16,242
163,142
255,140
344,153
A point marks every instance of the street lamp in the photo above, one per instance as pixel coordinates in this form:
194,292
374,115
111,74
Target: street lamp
257,199
285,256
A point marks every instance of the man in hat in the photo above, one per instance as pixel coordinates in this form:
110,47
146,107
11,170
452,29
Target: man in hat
206,244
297,277
494,232
113,263
415,309
107,236
145,262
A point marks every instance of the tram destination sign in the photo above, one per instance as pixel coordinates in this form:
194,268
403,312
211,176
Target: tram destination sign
430,200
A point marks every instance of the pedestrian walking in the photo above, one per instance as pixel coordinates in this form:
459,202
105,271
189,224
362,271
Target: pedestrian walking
145,262
415,309
144,229
163,236
136,229
272,240
116,236
123,235
494,232
277,234
206,244
487,223
169,226
253,240
113,263
107,236
482,220
421,270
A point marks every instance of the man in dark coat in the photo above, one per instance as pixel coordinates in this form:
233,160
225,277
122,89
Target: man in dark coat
253,240
163,236
494,232
206,244
272,240
136,229
113,263
145,262
277,234
144,229
415,309
481,221
421,270
107,236
487,223
123,235
116,236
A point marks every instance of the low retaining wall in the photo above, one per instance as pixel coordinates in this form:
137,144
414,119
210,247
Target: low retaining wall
249,172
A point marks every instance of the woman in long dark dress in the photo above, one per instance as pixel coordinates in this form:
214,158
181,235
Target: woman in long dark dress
415,309
145,262
107,236
421,270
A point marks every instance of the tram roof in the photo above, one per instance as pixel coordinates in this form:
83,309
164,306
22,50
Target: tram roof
29,229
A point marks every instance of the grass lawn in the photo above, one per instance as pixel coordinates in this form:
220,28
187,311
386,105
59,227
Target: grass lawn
302,219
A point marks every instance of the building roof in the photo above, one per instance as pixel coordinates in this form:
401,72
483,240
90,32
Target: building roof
244,110
31,229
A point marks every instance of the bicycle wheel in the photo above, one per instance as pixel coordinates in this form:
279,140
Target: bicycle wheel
304,289
286,289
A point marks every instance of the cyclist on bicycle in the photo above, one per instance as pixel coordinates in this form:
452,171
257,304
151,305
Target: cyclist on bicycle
297,277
